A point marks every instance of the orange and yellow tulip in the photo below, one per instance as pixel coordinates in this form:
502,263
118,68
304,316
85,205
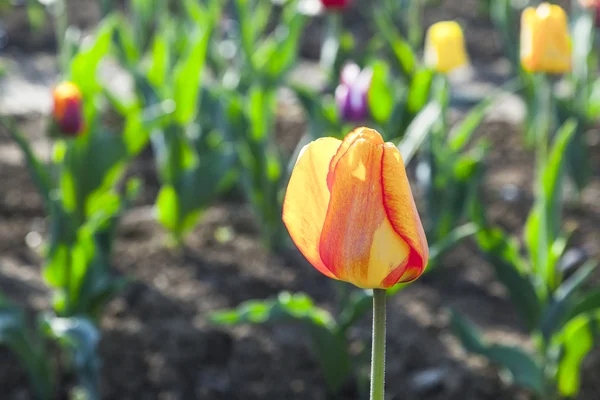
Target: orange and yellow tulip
545,41
445,48
350,211
67,112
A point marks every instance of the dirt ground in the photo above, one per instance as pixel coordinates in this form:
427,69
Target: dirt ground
157,343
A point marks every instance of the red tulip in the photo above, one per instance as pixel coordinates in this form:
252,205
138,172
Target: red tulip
335,4
67,112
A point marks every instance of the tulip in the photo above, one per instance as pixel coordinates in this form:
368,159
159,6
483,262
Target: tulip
335,5
350,211
545,42
445,48
67,112
351,96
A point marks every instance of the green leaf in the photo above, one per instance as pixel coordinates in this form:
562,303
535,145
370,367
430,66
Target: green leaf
287,307
586,303
543,223
299,308
85,63
418,130
560,308
160,61
37,170
593,112
419,90
187,76
358,304
462,133
510,269
167,207
260,108
381,98
577,339
30,348
80,337
524,370
448,242
124,40
285,51
402,50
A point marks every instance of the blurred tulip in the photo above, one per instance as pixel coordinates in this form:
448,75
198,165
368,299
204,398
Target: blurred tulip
350,210
335,4
545,41
445,48
351,95
68,113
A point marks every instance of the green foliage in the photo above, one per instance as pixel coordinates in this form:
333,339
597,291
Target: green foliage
558,312
523,368
327,334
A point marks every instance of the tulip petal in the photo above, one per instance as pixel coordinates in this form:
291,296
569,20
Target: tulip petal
358,243
402,213
306,199
359,133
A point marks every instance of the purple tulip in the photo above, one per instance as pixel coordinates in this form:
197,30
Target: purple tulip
351,95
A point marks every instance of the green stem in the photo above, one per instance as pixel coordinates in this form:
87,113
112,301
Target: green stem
378,349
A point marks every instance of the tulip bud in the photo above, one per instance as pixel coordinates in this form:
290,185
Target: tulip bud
67,111
545,41
445,48
352,94
335,5
350,210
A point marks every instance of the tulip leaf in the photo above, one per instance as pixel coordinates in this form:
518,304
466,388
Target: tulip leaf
160,61
462,133
37,170
560,308
543,223
586,303
284,54
180,202
418,130
298,308
85,64
404,55
80,337
358,304
167,207
503,254
419,90
593,111
30,349
523,369
187,76
446,243
381,98
577,339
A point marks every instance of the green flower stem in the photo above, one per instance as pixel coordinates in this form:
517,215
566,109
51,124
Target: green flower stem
378,349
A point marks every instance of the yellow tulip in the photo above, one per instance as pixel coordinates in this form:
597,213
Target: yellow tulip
350,211
445,48
545,41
